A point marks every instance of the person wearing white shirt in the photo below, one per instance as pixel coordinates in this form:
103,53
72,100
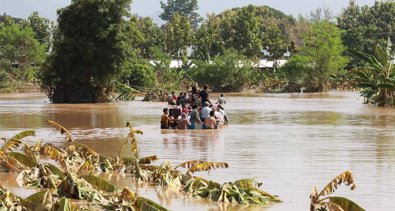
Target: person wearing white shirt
205,113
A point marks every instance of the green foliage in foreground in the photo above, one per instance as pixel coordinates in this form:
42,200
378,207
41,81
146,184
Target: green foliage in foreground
73,177
334,203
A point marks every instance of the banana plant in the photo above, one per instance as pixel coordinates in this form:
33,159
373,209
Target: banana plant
201,165
73,176
13,161
377,77
334,203
131,137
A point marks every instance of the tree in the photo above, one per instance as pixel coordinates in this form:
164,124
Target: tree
246,32
139,74
208,42
186,8
225,72
88,52
42,29
274,43
152,37
178,36
365,27
318,58
20,53
377,76
321,14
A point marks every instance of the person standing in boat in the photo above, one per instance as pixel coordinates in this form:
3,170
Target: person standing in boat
204,95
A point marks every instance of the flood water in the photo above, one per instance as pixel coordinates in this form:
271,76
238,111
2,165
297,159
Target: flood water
289,142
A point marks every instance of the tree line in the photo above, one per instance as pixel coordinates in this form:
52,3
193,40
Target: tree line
97,45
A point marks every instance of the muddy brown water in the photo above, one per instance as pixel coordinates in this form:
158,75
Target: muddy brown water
289,142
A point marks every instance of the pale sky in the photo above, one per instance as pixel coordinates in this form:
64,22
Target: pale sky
47,8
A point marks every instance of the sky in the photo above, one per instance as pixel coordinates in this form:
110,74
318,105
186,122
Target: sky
47,8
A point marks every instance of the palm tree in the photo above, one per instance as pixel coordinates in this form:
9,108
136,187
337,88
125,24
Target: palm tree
377,78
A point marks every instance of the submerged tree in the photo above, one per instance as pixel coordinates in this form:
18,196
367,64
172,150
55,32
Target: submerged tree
318,58
88,51
377,77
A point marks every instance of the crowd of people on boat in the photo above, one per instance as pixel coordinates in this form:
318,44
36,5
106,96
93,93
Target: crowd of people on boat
194,111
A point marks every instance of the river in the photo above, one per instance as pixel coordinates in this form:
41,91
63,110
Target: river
289,142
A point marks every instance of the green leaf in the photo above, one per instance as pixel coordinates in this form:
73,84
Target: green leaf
207,166
366,85
9,144
55,170
39,201
24,134
64,204
100,184
61,129
23,159
12,164
345,204
148,205
386,86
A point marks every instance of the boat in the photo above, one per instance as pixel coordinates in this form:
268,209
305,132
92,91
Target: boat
197,126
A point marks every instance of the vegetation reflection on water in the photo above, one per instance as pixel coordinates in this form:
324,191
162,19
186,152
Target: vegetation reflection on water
289,142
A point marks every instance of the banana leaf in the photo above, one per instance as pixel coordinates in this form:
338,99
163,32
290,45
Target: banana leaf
188,164
9,144
86,150
53,152
345,204
61,129
345,177
23,159
207,166
64,204
100,183
148,205
24,134
55,170
12,164
39,201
